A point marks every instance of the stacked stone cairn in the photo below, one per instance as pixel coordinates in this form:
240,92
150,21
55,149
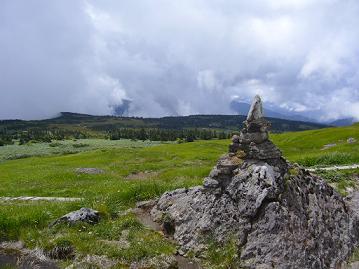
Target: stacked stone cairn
254,138
277,213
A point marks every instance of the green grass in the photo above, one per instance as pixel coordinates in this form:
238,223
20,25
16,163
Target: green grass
174,166
29,222
171,166
101,239
13,152
341,180
219,256
306,147
21,217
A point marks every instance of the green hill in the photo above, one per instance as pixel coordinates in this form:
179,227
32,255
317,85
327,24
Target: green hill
97,125
308,147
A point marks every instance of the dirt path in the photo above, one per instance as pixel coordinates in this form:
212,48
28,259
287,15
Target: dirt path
36,198
335,167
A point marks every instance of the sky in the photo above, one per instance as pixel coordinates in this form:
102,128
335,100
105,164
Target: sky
163,57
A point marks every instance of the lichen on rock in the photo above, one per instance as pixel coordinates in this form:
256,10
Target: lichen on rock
279,219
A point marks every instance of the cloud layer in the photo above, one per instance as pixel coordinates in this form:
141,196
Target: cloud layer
178,57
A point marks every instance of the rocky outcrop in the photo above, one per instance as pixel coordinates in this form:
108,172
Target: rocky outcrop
279,215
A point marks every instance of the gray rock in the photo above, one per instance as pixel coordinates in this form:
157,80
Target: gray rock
327,146
256,110
235,139
83,215
351,140
258,137
290,221
210,183
279,214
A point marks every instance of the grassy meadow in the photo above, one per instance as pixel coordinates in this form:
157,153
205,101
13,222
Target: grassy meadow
132,171
16,151
308,147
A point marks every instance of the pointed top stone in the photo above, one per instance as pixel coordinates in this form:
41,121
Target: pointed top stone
256,110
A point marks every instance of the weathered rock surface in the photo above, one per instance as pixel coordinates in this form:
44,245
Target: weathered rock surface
279,214
82,215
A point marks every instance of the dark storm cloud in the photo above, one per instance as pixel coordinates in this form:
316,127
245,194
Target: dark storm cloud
178,57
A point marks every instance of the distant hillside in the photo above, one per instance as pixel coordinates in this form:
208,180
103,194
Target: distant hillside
101,124
343,122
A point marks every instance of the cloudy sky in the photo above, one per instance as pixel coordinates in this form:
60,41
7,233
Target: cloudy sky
178,57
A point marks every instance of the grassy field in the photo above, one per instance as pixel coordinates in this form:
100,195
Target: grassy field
130,175
132,172
307,147
13,152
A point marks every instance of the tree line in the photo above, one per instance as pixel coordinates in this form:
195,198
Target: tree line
156,134
38,135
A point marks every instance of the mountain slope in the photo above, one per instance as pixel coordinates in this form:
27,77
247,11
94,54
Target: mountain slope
101,124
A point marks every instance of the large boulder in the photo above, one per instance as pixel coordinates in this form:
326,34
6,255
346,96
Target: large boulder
279,214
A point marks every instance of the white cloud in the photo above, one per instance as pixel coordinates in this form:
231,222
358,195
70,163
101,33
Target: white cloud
207,80
178,57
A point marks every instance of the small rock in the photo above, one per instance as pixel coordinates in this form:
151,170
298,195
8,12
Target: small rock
351,140
256,110
235,139
210,183
84,215
327,146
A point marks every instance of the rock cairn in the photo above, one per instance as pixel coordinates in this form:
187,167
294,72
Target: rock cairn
254,138
278,214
